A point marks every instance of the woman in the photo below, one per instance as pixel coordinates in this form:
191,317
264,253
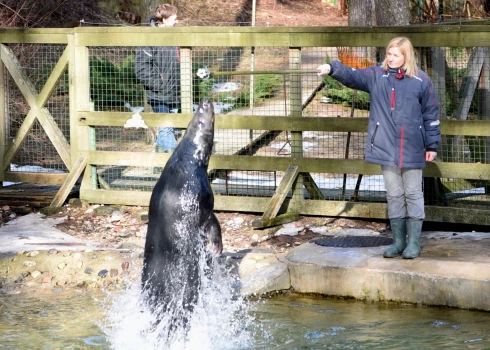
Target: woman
403,134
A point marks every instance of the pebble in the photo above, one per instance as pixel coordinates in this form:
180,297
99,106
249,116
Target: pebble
29,263
61,283
33,253
52,251
116,216
106,283
88,271
47,279
125,266
61,266
103,273
35,274
113,273
255,237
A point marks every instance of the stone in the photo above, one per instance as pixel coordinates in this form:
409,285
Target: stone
88,271
103,273
47,279
125,266
61,282
61,266
33,253
113,273
35,274
29,263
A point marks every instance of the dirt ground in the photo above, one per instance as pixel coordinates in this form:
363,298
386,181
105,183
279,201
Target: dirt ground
268,13
125,227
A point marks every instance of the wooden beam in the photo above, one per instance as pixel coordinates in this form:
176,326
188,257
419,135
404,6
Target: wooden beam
69,182
279,196
35,178
229,121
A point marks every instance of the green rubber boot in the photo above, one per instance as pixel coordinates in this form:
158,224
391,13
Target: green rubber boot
414,228
399,230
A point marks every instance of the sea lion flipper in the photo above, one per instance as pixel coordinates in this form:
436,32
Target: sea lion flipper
214,244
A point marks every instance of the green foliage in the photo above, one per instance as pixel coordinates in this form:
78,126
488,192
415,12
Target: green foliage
112,85
339,94
265,86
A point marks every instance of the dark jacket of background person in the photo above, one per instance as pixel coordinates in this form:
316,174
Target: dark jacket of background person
403,121
158,69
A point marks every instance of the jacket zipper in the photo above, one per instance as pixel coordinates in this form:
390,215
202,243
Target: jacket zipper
392,102
422,134
374,135
402,136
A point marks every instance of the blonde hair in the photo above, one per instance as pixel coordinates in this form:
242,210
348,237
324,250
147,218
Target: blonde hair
164,11
408,53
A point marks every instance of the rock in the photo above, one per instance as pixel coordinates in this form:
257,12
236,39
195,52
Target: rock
106,283
61,266
125,266
35,274
117,216
255,238
88,271
103,273
113,273
290,229
105,210
33,253
47,279
52,251
29,263
61,283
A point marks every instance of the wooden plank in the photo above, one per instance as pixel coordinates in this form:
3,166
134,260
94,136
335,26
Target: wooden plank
35,178
69,182
475,171
34,35
246,122
281,192
278,220
421,36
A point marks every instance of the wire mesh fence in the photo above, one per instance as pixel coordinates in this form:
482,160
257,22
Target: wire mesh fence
115,87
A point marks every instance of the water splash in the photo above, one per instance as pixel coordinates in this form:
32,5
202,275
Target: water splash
221,318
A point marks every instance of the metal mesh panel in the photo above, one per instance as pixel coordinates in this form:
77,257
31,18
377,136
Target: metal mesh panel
37,153
114,87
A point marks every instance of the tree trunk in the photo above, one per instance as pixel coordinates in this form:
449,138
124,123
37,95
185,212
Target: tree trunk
147,8
361,13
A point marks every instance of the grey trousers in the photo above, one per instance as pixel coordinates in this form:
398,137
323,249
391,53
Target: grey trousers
404,192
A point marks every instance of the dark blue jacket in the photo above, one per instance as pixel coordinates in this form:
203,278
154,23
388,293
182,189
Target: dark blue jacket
403,120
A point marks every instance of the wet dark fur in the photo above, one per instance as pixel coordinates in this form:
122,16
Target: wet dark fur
171,274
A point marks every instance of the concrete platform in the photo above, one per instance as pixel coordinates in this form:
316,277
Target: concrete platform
453,270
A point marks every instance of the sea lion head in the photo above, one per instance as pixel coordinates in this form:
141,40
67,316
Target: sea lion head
200,131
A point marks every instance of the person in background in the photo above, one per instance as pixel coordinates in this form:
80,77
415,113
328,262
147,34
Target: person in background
158,69
403,134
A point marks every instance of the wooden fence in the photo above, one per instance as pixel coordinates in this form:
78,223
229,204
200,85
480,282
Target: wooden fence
81,158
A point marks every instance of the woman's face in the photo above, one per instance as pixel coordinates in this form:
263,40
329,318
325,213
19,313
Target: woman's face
395,58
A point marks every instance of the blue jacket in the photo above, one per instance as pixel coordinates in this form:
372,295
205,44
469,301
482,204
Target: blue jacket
403,120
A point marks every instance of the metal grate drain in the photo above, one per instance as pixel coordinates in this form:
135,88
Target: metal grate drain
352,241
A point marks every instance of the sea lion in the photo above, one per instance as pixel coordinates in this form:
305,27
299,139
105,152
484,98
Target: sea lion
183,232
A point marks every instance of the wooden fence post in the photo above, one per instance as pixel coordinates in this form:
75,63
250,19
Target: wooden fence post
296,110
